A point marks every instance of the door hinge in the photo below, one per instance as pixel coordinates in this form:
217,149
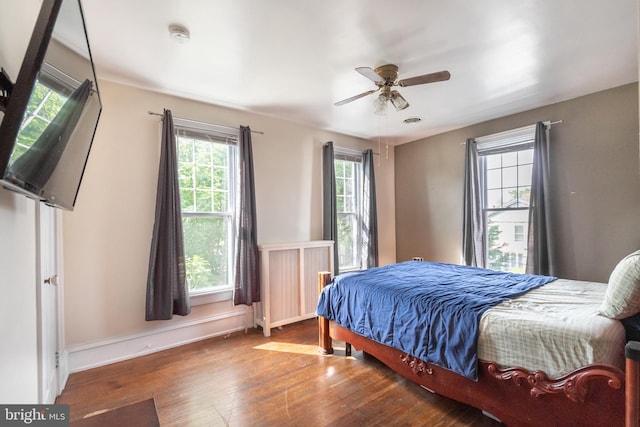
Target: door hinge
57,359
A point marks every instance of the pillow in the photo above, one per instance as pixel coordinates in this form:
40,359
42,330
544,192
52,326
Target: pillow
622,298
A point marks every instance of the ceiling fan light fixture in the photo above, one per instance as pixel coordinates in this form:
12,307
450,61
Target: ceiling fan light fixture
398,101
380,105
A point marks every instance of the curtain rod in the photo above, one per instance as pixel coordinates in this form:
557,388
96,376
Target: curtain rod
351,151
548,124
151,113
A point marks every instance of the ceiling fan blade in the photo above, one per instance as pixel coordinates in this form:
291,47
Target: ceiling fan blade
370,74
353,98
425,78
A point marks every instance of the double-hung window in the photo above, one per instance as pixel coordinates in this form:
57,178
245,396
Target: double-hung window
506,162
348,170
207,171
50,92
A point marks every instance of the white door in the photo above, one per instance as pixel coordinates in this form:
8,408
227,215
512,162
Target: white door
48,348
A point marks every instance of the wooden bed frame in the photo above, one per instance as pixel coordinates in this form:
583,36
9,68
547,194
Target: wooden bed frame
597,395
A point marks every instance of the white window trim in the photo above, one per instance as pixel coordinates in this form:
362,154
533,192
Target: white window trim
211,296
348,154
507,140
51,74
207,128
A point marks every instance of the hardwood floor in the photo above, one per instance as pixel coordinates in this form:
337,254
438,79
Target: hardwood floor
249,380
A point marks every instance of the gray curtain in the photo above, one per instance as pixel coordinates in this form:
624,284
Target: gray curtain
329,208
167,291
247,277
539,249
370,220
473,231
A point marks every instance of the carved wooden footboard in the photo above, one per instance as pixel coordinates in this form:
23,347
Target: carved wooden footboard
592,396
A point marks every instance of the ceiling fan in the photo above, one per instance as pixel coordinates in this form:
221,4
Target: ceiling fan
385,77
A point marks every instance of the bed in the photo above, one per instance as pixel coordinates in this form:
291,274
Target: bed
512,364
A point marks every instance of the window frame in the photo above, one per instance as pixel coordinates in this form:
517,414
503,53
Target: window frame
511,141
215,135
55,83
341,154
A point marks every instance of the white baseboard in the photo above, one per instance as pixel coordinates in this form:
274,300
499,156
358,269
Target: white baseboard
63,370
92,355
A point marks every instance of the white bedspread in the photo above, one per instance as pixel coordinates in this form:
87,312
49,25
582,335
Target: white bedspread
555,328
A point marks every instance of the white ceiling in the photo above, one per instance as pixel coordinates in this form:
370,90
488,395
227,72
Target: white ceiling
293,59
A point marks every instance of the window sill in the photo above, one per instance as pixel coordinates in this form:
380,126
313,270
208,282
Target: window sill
351,270
208,297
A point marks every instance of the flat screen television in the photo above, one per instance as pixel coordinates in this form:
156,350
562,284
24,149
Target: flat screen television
52,110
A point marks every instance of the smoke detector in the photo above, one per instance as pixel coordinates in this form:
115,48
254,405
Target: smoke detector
179,33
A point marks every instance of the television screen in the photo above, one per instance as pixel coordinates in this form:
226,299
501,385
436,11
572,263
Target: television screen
45,156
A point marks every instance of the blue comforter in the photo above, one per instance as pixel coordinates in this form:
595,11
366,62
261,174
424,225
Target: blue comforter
429,310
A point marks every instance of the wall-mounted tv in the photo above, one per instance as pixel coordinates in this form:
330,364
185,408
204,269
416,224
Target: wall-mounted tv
52,110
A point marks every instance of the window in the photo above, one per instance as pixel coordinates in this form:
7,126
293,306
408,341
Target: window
207,170
518,233
348,169
50,92
506,163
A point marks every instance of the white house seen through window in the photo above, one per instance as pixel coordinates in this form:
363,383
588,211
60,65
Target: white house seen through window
207,169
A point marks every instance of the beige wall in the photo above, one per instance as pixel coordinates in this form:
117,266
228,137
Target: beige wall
595,183
107,236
